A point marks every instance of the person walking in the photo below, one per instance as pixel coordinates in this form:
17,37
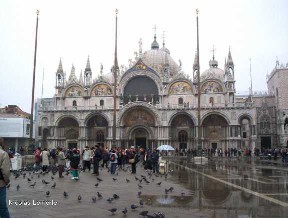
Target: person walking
45,159
97,158
86,155
113,161
61,162
37,158
4,181
74,163
154,157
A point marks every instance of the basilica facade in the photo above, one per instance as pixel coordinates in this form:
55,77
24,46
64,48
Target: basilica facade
156,104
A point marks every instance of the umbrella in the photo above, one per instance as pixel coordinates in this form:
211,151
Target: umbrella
165,148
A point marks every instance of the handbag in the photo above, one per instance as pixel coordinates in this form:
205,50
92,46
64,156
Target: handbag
131,161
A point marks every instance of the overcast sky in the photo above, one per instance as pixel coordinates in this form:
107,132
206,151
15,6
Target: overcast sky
73,30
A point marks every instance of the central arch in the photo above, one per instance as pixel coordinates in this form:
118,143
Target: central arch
215,132
138,128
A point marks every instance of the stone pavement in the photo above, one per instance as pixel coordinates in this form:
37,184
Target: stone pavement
34,200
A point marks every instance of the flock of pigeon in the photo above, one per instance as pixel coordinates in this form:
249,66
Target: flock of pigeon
32,176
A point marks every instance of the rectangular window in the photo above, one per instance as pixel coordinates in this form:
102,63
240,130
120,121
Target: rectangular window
28,129
39,131
244,135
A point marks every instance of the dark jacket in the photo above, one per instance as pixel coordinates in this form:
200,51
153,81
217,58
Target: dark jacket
75,160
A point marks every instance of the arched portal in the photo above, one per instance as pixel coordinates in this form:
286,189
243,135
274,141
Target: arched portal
68,132
97,130
182,131
215,132
138,128
140,137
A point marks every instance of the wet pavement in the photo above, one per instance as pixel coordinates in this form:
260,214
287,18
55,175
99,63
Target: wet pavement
219,188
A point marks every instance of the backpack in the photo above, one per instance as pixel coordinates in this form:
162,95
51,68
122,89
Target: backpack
112,157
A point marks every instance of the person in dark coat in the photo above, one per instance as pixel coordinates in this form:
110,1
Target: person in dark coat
97,158
74,163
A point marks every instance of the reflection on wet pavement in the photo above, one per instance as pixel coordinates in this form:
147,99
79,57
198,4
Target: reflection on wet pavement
243,189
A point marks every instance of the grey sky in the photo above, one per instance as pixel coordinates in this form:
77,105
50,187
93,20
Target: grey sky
73,30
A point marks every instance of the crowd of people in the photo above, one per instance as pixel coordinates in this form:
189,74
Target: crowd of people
91,158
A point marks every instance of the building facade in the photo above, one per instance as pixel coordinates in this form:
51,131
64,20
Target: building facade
156,104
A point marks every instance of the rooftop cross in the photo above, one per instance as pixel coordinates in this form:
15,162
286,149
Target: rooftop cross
163,37
155,28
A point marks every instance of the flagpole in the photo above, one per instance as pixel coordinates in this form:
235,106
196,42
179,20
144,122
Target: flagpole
33,83
199,90
115,85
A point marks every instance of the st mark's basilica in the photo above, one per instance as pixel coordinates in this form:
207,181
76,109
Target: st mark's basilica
156,104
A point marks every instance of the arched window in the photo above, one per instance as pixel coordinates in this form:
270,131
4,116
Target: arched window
180,101
101,102
74,103
182,136
100,136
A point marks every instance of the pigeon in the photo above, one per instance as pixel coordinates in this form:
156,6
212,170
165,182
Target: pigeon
134,206
171,189
54,185
113,210
18,187
100,180
141,203
114,179
65,194
127,180
140,186
159,183
45,182
136,178
115,196
99,195
166,191
79,198
33,185
93,199
182,193
139,194
97,184
125,211
110,200
143,213
28,179
47,193
52,177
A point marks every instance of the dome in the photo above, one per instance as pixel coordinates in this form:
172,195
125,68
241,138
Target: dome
165,49
158,58
213,73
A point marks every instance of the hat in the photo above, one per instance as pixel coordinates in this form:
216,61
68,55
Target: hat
132,147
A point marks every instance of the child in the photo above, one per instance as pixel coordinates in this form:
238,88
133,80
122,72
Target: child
74,163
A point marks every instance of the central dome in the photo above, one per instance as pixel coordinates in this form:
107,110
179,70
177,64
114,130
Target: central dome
158,59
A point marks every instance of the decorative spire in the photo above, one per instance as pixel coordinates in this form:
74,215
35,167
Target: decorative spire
88,68
140,47
60,68
230,62
163,37
155,44
81,78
